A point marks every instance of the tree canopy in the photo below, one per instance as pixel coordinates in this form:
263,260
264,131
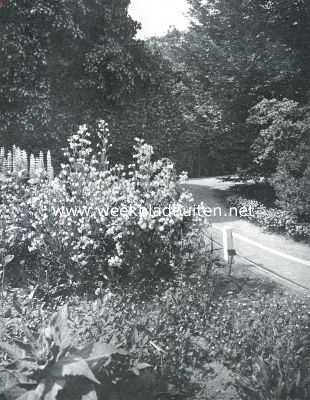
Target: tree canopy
195,96
63,63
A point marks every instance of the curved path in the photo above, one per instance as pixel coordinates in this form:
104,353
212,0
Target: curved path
213,192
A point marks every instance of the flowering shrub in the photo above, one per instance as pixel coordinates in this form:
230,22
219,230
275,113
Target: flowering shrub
80,245
272,219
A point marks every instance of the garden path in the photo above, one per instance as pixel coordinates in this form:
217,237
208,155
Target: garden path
213,191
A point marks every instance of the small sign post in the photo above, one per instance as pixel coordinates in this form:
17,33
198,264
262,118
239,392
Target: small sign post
228,242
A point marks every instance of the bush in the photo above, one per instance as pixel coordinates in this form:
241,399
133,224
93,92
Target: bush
67,227
292,183
272,219
283,125
261,191
281,152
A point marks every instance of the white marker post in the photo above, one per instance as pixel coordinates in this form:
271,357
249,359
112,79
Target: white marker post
228,243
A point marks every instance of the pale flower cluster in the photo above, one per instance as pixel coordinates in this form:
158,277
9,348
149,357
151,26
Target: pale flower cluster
81,247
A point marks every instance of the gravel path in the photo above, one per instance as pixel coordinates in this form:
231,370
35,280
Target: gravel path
213,192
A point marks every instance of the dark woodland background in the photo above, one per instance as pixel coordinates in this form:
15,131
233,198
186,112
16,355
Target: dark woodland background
231,94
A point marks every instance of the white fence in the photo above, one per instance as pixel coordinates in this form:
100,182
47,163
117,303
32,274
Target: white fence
229,251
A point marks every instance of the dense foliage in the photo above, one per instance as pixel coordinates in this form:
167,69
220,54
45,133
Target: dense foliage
61,63
272,219
114,222
48,366
98,220
245,63
202,119
260,333
64,63
281,152
292,182
237,61
188,94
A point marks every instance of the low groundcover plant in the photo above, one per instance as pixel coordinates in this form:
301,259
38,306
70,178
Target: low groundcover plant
48,366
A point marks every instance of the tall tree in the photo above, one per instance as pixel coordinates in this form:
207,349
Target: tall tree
63,62
198,151
239,62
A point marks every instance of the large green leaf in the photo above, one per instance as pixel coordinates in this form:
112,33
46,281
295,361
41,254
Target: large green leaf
100,350
7,259
14,351
47,390
140,367
10,385
90,396
34,394
53,390
58,330
73,367
26,347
